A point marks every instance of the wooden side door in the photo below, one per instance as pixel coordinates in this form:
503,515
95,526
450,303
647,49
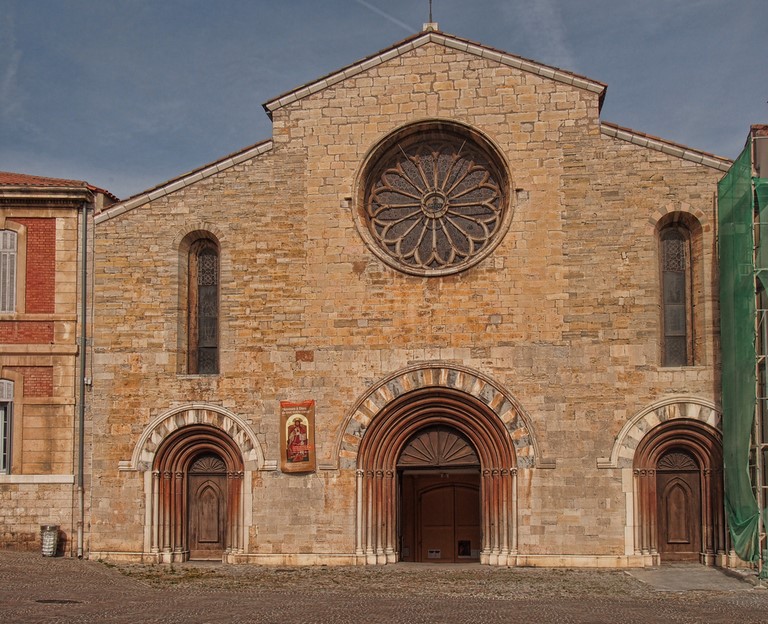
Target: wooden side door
207,500
678,490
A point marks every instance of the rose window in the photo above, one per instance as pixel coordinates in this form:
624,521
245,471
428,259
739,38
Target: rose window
434,205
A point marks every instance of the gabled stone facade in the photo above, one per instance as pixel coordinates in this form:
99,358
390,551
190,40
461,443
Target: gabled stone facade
544,357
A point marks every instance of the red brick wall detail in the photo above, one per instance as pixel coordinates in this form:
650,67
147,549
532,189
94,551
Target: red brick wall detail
26,332
38,380
41,265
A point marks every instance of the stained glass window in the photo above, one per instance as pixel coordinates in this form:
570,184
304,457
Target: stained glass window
435,202
204,309
675,283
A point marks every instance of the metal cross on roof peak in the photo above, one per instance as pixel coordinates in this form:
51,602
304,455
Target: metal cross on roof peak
430,25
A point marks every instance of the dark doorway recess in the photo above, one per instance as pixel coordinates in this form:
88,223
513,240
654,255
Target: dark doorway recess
436,431
440,514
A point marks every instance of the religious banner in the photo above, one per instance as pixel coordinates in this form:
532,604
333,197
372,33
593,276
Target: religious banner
297,436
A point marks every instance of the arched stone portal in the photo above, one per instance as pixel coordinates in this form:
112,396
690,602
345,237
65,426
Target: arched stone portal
197,478
678,485
169,435
390,432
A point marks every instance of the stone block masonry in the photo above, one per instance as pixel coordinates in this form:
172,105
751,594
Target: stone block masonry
563,318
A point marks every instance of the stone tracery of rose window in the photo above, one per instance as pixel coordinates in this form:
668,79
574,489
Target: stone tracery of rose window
434,205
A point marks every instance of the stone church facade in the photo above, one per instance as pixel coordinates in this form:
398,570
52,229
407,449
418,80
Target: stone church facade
490,315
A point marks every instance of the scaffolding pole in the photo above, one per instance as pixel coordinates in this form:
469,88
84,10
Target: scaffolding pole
759,447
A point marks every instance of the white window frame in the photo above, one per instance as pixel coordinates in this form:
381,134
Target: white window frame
9,253
6,425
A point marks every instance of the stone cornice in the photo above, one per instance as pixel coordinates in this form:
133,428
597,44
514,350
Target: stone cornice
44,196
667,147
182,181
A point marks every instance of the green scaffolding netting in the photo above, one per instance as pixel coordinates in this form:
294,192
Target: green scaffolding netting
761,197
737,334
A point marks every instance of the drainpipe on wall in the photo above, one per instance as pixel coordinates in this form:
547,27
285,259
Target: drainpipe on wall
81,403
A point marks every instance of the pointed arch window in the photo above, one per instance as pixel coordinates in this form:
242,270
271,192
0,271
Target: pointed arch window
6,425
8,266
676,304
203,308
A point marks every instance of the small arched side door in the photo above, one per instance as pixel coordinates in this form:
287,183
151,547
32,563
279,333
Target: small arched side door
678,488
207,507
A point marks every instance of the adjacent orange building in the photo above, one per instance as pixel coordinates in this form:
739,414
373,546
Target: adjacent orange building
41,262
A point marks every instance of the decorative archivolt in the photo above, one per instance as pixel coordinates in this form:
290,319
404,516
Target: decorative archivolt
196,414
635,429
438,376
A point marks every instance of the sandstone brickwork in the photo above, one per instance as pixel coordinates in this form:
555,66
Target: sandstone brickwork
561,324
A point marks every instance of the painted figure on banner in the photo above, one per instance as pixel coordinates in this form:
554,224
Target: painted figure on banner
297,447
297,436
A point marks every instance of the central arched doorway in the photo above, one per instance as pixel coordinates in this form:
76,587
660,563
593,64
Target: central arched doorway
437,469
439,502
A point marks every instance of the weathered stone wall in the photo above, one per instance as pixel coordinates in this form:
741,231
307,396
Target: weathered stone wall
28,503
564,314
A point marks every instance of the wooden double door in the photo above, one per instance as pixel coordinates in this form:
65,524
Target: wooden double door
207,507
440,517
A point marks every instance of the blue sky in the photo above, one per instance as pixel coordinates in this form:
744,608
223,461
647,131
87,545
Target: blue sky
129,93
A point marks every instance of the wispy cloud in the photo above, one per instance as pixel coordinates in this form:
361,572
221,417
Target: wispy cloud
387,16
543,22
11,96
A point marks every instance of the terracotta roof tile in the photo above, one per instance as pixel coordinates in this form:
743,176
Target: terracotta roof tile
8,178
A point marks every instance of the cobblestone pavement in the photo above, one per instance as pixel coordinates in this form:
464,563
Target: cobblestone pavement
38,589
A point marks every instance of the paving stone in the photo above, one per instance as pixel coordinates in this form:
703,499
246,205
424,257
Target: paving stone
39,589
